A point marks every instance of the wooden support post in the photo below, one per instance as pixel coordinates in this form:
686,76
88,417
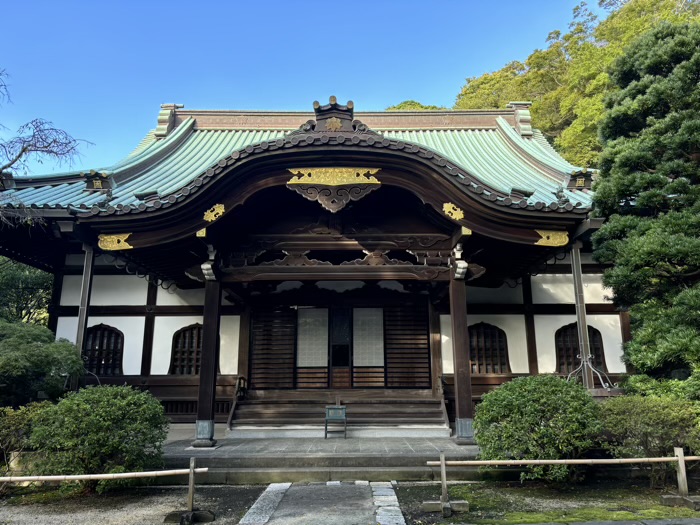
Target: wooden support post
682,477
583,343
190,492
85,291
204,434
464,411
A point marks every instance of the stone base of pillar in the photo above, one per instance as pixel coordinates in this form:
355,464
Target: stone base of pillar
204,434
464,431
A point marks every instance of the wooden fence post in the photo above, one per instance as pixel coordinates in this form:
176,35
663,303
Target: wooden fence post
190,492
682,477
444,498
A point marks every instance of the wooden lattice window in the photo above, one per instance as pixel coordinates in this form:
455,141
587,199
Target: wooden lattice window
104,349
488,349
566,344
186,355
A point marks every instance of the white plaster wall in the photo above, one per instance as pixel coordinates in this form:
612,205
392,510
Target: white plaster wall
165,327
180,297
610,329
107,290
131,327
448,366
593,289
608,325
163,330
512,325
552,289
545,327
229,333
502,295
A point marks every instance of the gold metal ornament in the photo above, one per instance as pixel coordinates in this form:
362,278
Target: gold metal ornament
114,242
453,211
466,231
334,176
552,238
334,124
202,232
214,212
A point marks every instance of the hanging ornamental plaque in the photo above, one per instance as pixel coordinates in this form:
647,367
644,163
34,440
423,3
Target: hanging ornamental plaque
333,188
114,242
552,238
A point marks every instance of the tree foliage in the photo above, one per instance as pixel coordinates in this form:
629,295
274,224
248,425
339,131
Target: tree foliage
100,430
412,105
25,292
537,417
32,361
649,189
568,80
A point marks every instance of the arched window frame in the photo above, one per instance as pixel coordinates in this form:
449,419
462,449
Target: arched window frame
488,350
567,349
186,350
104,350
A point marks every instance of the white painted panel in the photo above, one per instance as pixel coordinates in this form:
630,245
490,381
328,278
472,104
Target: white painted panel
609,327
502,295
553,288
368,337
70,293
107,290
180,297
132,328
514,327
229,337
67,328
163,330
448,366
545,327
593,289
312,337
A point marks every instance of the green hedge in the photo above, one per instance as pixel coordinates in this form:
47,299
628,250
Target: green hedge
537,417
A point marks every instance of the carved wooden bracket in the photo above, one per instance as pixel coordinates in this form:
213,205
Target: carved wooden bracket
333,188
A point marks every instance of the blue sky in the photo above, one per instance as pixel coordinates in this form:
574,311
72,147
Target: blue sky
101,69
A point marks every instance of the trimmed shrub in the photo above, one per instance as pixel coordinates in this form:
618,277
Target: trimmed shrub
636,426
538,417
15,429
32,361
104,429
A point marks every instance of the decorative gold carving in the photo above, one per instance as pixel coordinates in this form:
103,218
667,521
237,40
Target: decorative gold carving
466,231
201,233
214,212
114,242
581,182
334,176
334,124
453,211
552,238
97,184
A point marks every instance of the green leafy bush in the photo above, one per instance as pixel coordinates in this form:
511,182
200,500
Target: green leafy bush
32,361
636,426
538,417
644,385
15,429
105,429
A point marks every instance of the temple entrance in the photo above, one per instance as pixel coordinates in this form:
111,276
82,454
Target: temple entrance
341,347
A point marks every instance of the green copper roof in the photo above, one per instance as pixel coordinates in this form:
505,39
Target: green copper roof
497,155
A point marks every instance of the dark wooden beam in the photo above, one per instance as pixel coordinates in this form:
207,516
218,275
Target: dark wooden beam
204,436
530,336
85,291
149,326
464,413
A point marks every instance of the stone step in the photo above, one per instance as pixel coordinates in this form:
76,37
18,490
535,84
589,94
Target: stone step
360,431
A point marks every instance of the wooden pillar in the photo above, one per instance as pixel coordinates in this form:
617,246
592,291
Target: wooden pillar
435,350
581,322
149,327
85,290
530,337
464,413
204,432
56,291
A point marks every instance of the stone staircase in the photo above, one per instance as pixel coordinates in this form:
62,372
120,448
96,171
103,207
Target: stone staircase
295,414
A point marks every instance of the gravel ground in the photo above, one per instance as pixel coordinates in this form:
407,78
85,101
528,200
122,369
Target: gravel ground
143,506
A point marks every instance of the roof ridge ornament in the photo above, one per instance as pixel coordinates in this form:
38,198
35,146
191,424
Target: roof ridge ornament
523,118
166,119
334,118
